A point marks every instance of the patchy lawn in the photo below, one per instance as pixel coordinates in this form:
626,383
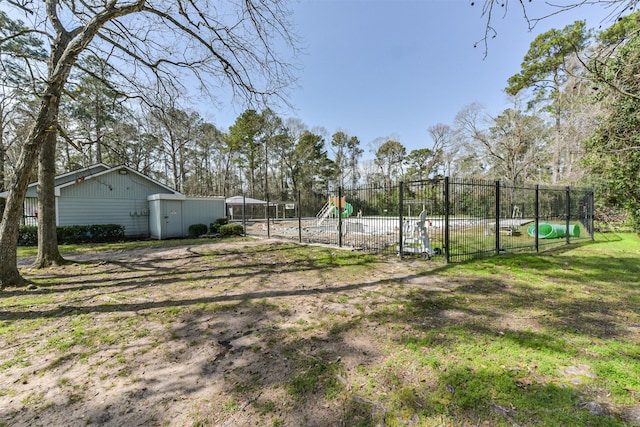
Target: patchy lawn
247,332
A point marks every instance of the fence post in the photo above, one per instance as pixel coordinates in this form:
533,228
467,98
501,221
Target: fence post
268,216
497,217
592,212
340,216
447,245
244,222
401,216
537,216
568,213
299,220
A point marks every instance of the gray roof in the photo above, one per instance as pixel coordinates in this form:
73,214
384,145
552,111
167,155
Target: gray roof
71,178
242,200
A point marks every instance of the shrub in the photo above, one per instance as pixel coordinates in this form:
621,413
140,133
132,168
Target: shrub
232,230
214,227
72,234
28,235
106,233
197,230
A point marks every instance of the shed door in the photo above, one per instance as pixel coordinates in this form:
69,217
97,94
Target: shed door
172,219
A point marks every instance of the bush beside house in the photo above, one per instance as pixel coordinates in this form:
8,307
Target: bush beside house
197,230
73,234
232,230
214,227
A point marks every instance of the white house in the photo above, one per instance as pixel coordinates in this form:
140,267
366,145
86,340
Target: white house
120,195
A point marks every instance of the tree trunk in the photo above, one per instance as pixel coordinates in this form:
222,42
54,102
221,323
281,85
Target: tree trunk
3,156
98,123
555,160
48,253
9,227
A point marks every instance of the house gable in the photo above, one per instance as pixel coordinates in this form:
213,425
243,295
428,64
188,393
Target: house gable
80,173
68,177
116,182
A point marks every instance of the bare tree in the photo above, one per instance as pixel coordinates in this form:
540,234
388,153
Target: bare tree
424,162
512,144
443,137
470,120
580,118
216,44
7,117
390,158
346,151
206,171
177,131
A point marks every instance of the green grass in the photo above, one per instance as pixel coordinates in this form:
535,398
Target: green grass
230,405
316,376
522,320
25,251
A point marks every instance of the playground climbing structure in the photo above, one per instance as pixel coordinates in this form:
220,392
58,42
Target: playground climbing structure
332,207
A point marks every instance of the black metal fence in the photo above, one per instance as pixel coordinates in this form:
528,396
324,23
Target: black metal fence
453,219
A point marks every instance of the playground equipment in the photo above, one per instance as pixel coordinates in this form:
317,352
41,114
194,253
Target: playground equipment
553,231
330,209
508,226
415,238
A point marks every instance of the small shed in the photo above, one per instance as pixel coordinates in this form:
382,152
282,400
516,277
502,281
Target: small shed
170,215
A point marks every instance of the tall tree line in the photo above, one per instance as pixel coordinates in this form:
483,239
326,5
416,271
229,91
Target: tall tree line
68,102
540,138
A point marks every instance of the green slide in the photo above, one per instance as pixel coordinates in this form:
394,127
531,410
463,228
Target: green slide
553,231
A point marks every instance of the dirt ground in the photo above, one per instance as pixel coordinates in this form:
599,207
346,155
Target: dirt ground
250,332
223,334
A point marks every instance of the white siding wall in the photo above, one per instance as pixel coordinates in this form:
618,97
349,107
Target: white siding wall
201,211
108,199
133,215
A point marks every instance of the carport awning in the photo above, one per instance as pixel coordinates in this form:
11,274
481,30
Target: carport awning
240,200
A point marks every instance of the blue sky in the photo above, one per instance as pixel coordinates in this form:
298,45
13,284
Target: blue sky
383,68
